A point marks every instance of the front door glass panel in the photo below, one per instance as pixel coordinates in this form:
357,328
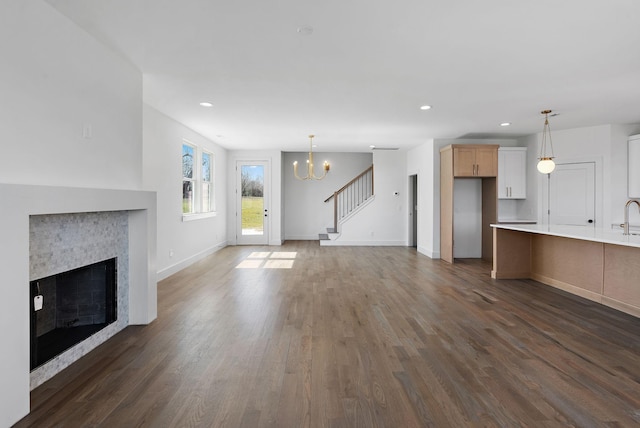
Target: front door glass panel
253,207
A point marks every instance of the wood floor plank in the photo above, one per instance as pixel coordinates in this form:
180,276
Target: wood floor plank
354,337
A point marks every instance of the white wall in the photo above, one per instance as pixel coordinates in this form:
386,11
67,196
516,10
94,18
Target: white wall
55,79
420,162
274,194
384,221
618,192
56,84
606,145
305,212
180,243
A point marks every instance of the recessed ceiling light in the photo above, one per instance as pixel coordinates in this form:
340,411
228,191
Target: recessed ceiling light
206,104
425,107
505,124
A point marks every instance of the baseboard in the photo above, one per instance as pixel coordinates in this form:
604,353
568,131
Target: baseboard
621,306
565,286
302,237
341,243
590,295
168,271
502,274
427,252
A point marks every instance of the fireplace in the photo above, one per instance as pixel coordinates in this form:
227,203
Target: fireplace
63,251
71,306
52,229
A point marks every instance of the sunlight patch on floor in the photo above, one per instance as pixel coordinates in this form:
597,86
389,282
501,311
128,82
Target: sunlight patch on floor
284,255
249,264
278,264
259,255
277,260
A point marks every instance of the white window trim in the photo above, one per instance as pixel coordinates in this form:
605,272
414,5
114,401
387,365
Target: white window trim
198,216
194,174
212,171
197,184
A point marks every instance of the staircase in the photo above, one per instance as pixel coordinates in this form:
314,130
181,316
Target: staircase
348,200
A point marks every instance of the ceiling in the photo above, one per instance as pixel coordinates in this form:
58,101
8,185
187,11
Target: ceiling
355,72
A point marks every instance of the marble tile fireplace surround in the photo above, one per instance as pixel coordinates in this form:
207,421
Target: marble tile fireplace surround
45,230
62,242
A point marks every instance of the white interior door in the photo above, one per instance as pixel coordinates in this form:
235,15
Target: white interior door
252,209
572,194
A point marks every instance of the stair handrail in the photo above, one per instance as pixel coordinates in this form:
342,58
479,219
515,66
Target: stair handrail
342,189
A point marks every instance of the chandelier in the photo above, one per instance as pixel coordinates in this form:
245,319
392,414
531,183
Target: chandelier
545,161
310,174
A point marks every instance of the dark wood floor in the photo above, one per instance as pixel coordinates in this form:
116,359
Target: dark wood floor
354,337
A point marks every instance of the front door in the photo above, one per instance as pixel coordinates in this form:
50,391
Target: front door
252,210
572,194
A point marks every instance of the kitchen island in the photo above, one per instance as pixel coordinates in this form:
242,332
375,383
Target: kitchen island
598,264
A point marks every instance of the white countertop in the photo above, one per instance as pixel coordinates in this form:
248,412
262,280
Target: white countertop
586,233
515,221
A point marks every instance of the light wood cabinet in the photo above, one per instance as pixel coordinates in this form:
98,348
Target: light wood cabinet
475,160
512,173
465,161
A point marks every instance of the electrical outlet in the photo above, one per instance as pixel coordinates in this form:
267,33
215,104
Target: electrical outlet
170,253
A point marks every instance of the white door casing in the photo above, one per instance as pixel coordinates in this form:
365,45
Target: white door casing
252,232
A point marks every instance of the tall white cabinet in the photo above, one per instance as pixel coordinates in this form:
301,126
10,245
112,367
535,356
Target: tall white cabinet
633,167
512,173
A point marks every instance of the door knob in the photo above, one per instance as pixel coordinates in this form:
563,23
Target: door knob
590,221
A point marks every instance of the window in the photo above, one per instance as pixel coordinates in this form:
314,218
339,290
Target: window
197,182
207,188
188,188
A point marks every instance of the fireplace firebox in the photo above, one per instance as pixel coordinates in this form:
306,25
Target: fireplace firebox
69,307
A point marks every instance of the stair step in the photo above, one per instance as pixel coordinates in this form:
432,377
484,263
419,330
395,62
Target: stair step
331,230
323,237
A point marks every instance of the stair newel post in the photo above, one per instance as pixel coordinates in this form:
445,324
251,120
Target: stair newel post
335,211
372,181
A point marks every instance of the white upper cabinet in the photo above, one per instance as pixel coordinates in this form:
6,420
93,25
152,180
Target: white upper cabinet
634,166
512,173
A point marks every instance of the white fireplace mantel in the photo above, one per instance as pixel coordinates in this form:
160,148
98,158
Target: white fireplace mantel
18,203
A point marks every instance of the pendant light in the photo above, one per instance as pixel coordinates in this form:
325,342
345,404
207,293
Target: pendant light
545,161
310,173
